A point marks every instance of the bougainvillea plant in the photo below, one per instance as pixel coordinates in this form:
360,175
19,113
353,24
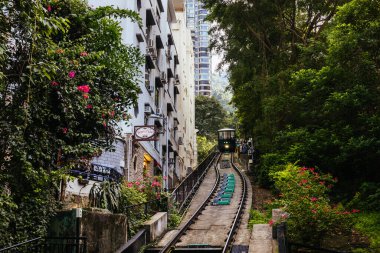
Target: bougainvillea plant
66,81
311,217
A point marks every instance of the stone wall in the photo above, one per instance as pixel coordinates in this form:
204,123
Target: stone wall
136,164
105,232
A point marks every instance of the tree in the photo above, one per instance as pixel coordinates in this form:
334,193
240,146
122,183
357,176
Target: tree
66,81
209,116
305,80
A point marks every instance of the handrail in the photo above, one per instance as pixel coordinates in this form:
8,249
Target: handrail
43,242
211,151
21,243
181,194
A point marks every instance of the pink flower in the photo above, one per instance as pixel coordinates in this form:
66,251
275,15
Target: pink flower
313,199
64,130
137,183
84,88
271,222
83,53
284,216
49,8
303,181
89,106
355,211
72,74
54,83
129,185
85,96
112,114
165,177
314,211
322,183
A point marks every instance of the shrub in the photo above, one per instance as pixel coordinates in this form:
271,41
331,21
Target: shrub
304,195
256,217
369,225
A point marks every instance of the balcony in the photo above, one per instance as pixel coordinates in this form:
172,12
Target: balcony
97,172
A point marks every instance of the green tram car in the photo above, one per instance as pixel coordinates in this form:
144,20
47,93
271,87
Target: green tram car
226,140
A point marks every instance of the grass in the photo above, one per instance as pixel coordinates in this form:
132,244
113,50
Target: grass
369,225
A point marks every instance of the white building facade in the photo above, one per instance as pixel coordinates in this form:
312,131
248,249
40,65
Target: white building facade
167,98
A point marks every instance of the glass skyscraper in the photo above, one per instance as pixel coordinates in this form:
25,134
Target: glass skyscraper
195,15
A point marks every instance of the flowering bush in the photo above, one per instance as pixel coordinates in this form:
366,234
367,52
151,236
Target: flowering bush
66,81
304,195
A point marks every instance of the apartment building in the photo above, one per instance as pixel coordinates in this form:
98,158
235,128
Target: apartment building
186,105
160,138
195,19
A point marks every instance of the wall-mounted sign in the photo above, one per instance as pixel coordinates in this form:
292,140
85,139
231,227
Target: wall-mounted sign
145,133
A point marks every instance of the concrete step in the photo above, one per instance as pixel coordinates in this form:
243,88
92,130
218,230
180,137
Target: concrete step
261,239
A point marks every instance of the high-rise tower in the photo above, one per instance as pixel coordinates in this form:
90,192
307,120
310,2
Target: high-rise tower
195,15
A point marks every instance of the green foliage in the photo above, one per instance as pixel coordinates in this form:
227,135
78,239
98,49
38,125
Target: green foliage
175,218
256,217
209,116
130,196
369,225
66,80
305,83
304,195
105,195
203,147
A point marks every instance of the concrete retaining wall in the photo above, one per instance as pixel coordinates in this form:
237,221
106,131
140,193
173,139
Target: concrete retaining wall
105,232
156,225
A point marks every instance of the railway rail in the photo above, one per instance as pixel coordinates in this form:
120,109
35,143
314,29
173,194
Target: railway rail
212,226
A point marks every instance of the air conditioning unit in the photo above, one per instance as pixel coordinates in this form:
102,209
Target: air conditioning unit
152,49
147,109
180,141
163,77
150,43
168,54
150,88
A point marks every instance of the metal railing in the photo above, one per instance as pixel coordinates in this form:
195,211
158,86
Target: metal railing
137,214
190,184
50,245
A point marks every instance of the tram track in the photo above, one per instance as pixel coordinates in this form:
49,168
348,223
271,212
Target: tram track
212,227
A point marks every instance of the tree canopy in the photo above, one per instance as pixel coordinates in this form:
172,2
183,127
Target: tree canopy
305,78
209,116
66,80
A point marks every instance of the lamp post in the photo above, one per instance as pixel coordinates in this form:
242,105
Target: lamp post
165,160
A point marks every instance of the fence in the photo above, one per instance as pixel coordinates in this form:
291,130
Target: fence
50,245
181,194
137,214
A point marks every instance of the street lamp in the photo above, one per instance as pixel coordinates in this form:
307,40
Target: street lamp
165,160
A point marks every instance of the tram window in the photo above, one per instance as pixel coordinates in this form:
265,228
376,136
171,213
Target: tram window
225,135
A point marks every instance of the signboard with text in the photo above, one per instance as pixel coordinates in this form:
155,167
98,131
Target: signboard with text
145,133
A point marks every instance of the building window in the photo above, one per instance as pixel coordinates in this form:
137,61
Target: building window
138,4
